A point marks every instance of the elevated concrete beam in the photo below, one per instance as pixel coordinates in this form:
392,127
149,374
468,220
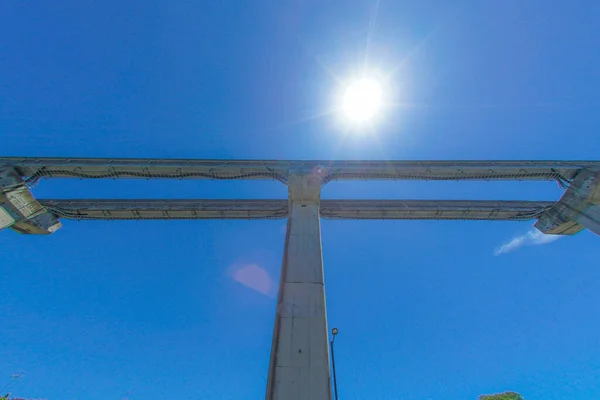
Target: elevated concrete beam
331,170
299,366
141,209
578,208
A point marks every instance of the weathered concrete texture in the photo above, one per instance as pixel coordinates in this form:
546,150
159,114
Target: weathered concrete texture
299,368
578,208
19,210
9,177
590,218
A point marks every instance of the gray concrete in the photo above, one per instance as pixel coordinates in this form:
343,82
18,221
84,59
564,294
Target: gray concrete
140,209
299,367
590,219
330,170
19,210
577,209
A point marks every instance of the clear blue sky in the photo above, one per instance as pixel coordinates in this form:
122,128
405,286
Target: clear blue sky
425,309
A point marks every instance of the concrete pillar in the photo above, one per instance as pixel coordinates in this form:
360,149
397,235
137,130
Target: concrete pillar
299,368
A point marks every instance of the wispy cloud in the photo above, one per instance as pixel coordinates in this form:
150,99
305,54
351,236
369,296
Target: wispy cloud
531,238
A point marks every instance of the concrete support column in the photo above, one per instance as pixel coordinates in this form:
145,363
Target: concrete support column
299,368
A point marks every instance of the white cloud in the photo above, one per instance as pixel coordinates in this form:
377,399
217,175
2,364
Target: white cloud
531,238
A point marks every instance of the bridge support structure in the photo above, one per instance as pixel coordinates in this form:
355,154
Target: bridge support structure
19,210
577,209
299,365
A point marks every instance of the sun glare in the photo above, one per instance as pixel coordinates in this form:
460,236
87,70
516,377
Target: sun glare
362,100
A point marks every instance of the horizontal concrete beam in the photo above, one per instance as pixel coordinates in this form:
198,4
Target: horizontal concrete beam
434,209
274,209
32,168
167,209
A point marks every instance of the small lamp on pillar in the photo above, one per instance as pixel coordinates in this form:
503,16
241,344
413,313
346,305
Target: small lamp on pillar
334,333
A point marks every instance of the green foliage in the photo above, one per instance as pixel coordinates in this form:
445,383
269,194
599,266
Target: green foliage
502,396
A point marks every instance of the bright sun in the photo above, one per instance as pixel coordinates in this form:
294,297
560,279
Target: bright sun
362,100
